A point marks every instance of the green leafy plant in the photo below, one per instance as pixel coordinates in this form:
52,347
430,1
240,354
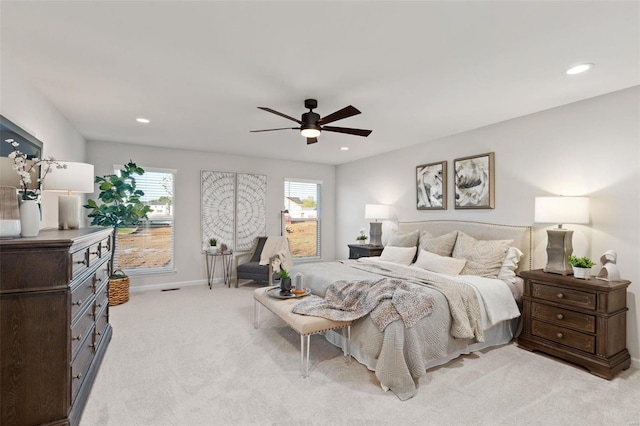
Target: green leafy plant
361,236
284,274
213,242
120,203
580,262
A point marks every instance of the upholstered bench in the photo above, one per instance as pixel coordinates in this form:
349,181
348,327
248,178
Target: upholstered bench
304,325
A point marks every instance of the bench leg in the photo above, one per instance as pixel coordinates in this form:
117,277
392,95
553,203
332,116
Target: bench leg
304,364
347,345
256,313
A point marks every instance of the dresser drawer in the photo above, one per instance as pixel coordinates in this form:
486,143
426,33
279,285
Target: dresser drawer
81,363
79,262
81,296
80,329
102,320
574,339
564,318
565,296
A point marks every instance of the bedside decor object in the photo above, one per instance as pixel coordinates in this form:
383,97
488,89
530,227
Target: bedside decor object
474,182
431,186
285,283
580,321
560,210
9,213
78,178
376,212
609,271
120,207
361,238
581,266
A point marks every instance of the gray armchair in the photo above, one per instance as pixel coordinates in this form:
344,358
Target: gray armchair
251,269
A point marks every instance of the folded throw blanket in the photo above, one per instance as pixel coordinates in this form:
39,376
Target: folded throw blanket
279,247
387,300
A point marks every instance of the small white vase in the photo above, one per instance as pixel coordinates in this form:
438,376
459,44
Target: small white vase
29,218
581,273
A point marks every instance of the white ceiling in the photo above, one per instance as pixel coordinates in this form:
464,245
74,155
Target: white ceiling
417,70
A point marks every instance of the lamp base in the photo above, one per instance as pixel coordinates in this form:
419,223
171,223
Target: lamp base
69,211
375,233
559,248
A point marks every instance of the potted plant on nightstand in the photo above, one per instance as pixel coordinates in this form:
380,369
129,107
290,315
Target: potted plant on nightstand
361,238
581,266
120,208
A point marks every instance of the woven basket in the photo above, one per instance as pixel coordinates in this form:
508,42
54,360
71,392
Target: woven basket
118,289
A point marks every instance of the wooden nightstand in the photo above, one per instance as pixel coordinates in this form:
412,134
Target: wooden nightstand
580,321
364,250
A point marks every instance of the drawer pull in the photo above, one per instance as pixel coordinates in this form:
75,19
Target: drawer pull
78,376
78,302
559,335
560,316
560,295
98,333
82,262
100,306
95,252
78,337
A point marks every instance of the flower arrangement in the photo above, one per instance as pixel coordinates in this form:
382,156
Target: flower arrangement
24,167
361,236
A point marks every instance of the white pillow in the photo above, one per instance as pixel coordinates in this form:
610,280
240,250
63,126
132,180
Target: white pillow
441,264
401,255
510,264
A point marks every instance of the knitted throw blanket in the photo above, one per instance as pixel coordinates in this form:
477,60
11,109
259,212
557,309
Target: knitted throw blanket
386,299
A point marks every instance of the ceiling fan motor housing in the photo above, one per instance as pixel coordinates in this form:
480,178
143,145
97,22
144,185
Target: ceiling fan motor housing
311,103
310,120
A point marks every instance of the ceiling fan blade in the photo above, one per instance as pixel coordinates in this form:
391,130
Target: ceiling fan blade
357,132
273,111
339,115
311,140
280,128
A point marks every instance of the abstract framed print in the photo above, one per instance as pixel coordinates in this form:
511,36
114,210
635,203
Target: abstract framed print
431,186
474,182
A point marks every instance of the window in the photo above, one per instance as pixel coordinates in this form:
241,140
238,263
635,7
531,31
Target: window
302,222
149,248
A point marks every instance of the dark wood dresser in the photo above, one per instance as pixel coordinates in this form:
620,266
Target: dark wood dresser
580,321
54,323
364,250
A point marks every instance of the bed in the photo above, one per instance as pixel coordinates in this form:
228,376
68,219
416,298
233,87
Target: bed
446,314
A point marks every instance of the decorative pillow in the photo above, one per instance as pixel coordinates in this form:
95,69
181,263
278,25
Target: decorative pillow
404,240
484,257
441,264
401,255
510,264
442,245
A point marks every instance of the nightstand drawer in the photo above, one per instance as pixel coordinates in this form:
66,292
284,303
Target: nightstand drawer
574,339
564,318
565,296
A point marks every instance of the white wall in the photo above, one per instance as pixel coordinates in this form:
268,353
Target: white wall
189,261
28,108
586,148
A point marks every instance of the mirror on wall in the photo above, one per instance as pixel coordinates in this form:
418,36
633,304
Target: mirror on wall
29,145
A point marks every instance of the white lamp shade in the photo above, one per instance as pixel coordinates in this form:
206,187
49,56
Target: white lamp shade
562,210
9,177
377,211
77,177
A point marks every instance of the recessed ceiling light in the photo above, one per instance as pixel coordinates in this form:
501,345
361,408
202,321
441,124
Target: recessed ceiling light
143,120
344,148
578,69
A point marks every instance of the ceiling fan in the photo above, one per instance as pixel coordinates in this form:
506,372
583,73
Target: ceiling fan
311,124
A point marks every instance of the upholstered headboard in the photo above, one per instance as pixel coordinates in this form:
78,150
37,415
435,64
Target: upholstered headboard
521,235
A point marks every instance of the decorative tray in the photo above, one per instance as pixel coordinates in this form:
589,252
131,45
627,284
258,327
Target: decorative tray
275,293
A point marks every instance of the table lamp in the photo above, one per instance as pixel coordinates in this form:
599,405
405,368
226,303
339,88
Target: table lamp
77,177
560,210
376,212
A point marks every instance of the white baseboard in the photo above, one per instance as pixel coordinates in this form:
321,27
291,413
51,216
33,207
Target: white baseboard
166,286
635,363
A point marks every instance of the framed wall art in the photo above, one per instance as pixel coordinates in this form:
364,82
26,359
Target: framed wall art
474,182
251,208
431,186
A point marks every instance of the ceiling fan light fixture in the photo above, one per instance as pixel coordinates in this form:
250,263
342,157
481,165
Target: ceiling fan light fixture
310,133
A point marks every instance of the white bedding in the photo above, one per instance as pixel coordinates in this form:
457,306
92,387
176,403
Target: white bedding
400,355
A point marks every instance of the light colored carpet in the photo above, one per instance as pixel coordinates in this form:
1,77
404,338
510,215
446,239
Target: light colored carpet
192,357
